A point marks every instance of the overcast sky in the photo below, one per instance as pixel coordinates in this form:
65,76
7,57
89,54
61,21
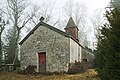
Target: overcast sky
91,4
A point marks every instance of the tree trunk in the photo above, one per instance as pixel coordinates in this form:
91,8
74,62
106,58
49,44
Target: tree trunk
0,50
16,46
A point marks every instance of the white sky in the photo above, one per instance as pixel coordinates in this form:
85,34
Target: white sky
95,4
91,4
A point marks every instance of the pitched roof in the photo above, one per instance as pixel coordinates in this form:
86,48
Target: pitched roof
50,27
46,25
71,23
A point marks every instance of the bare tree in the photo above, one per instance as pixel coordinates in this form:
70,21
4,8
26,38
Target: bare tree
17,13
45,11
78,11
97,20
3,23
80,14
68,8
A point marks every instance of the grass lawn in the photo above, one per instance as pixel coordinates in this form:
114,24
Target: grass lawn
88,75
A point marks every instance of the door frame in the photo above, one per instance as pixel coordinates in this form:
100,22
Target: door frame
41,52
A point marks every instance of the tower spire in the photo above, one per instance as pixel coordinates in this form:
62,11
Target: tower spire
72,29
71,23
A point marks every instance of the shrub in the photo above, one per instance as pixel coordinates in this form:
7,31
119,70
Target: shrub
29,70
78,67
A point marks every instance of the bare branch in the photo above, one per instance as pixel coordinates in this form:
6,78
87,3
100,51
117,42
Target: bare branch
78,11
25,22
68,8
58,20
46,11
96,21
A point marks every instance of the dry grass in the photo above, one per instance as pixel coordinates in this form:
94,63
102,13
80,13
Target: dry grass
88,75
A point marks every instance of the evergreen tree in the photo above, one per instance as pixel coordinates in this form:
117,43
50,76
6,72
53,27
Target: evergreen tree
10,45
115,4
108,50
2,27
1,30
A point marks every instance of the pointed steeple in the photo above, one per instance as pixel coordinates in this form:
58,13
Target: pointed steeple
70,23
72,29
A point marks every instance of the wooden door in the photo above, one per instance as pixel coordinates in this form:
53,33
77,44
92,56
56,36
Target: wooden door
42,62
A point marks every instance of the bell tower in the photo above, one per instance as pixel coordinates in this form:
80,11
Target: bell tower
72,29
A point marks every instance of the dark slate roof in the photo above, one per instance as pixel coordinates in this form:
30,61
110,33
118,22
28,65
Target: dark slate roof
46,25
71,23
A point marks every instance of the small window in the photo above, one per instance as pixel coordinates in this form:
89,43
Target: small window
84,60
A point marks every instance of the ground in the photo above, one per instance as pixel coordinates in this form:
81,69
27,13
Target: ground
88,75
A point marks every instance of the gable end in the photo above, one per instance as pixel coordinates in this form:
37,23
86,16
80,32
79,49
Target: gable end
46,25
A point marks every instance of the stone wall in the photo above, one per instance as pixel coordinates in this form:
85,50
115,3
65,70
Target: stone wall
87,55
54,44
